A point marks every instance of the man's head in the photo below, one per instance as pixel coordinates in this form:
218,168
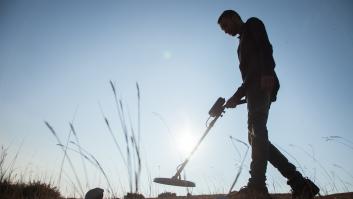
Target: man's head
230,22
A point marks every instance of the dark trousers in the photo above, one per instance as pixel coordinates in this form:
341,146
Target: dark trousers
259,103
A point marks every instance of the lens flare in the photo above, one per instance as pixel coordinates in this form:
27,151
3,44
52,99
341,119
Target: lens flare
185,142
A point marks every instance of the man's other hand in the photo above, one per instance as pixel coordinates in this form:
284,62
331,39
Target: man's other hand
267,83
235,99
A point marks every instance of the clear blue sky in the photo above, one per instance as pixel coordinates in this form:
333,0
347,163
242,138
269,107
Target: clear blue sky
58,56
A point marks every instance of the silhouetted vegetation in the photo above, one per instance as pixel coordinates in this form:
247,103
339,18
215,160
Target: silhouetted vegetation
15,189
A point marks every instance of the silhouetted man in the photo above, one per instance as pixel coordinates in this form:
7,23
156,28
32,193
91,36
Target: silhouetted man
260,86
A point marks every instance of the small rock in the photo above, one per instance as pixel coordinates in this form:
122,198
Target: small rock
96,193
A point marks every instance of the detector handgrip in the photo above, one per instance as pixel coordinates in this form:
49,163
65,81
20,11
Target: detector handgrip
218,108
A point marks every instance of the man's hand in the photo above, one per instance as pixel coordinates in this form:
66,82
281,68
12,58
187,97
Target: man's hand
267,83
235,99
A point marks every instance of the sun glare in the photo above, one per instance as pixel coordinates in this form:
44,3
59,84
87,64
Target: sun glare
186,142
167,55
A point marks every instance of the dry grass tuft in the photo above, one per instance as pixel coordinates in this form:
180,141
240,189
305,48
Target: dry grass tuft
11,189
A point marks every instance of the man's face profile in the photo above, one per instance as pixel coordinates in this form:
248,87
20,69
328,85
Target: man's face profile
230,25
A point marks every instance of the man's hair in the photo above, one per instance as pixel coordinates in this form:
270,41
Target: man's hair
228,14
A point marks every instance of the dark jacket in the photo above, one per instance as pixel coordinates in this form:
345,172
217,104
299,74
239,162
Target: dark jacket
255,56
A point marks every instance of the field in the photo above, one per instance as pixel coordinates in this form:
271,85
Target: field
11,189
13,185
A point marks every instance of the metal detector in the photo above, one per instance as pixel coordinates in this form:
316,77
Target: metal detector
215,112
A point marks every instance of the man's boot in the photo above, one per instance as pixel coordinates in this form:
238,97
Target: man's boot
303,188
253,193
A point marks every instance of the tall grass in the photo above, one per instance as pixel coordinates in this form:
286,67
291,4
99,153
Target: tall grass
132,140
340,140
91,159
242,161
68,157
133,155
120,109
64,157
114,138
65,148
79,149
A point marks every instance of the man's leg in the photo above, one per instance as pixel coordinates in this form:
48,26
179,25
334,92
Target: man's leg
302,188
258,109
259,104
279,161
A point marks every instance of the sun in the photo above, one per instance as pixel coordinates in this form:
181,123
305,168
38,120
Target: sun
167,55
185,142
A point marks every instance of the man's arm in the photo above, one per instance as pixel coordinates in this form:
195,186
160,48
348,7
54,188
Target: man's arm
258,60
235,99
258,54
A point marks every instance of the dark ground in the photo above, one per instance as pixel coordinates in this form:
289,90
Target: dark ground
348,195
